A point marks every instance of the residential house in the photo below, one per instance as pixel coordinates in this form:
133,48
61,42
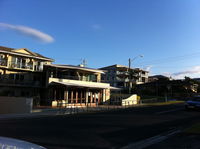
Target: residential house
158,77
122,77
75,85
20,72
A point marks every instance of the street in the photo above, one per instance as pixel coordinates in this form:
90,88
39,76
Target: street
113,129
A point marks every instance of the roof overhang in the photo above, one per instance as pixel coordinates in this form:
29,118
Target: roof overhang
96,85
75,67
25,55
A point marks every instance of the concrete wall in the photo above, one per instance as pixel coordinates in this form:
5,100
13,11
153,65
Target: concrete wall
132,100
10,105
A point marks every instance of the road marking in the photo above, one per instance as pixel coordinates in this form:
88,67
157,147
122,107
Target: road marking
150,141
168,111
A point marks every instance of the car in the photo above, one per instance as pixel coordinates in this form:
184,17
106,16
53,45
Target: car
193,103
6,143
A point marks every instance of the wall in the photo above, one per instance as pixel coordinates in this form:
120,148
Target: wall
10,105
132,100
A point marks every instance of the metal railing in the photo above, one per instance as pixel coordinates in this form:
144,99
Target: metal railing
3,62
19,82
81,78
12,64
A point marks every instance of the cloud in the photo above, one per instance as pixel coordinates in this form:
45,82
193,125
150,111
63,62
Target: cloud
96,26
148,68
30,32
193,72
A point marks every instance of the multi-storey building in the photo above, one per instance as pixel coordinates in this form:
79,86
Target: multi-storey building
75,85
24,73
123,76
21,72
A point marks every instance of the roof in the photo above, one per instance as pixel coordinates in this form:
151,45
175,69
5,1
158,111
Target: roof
74,67
96,85
121,66
158,76
14,51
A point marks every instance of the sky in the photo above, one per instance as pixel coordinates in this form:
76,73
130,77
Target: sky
108,32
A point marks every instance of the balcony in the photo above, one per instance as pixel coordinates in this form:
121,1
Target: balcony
3,62
79,78
12,82
122,72
122,79
26,66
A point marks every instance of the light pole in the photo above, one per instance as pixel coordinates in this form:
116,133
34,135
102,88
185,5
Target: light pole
129,67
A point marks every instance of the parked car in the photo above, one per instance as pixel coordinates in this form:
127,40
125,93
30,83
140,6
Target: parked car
193,103
17,144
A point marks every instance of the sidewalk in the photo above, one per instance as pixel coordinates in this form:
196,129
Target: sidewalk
49,111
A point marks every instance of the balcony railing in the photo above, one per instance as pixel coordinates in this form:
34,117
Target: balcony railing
19,82
80,78
122,73
3,62
12,64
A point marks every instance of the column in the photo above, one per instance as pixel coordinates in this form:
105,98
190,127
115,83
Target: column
76,96
81,96
54,89
95,98
66,95
72,98
99,97
86,96
91,97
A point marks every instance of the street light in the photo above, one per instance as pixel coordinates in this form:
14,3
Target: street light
130,60
129,66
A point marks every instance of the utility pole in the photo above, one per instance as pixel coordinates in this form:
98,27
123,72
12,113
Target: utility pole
129,63
130,72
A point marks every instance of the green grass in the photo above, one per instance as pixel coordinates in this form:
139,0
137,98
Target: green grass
195,129
164,103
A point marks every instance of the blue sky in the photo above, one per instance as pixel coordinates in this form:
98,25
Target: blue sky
106,32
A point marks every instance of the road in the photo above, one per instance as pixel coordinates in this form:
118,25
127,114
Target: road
114,129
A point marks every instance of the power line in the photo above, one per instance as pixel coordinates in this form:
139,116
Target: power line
170,59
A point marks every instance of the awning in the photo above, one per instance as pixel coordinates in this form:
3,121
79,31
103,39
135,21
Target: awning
96,85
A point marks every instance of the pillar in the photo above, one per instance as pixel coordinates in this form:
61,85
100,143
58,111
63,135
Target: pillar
81,96
86,96
76,96
99,97
72,98
91,97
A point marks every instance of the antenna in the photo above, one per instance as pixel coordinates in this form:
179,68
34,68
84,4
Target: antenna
83,62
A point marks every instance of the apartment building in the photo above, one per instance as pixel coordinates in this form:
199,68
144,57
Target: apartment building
20,72
75,85
123,77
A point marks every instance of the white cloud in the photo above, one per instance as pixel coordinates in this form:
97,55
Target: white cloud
96,26
30,32
148,68
193,72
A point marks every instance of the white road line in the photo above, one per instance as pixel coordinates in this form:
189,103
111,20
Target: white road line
150,141
168,111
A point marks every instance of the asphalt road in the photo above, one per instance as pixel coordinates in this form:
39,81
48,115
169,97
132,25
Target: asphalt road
113,129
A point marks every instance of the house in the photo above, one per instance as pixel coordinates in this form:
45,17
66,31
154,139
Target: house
21,72
74,85
123,77
158,77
